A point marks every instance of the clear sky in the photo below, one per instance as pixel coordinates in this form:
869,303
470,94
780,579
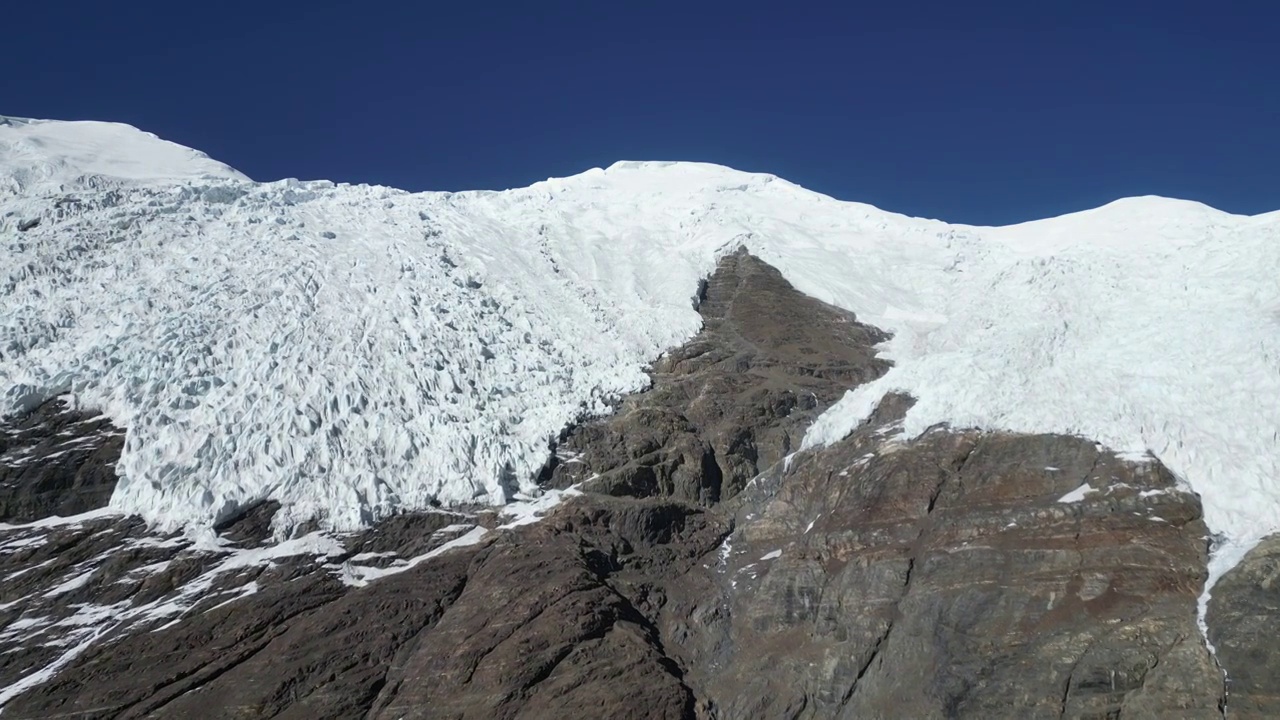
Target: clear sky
978,112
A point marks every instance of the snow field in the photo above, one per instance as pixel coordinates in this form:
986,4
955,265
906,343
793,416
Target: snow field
354,351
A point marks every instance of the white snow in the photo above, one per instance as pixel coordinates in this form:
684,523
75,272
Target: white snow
91,622
351,351
61,521
1224,555
21,543
526,510
30,568
43,155
360,575
367,556
1078,494
316,544
75,583
21,624
79,643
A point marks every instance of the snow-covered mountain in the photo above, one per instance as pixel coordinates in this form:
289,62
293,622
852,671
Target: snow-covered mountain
954,537
351,351
39,154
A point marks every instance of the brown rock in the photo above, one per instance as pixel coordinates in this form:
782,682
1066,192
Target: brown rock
942,578
733,400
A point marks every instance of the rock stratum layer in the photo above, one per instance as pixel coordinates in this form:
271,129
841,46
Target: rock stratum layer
699,566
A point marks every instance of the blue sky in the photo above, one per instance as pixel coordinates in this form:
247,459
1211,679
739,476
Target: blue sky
971,112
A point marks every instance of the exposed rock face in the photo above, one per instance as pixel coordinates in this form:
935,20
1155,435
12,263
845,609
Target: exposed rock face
732,401
1243,614
942,578
557,622
142,622
553,618
56,461
701,574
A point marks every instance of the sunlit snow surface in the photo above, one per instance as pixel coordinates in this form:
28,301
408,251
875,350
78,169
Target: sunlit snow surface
353,350
40,155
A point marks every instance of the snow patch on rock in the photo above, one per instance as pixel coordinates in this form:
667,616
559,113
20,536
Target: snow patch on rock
1077,495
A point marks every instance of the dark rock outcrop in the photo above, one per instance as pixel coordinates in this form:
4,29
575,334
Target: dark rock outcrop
732,401
144,622
1244,615
572,635
56,460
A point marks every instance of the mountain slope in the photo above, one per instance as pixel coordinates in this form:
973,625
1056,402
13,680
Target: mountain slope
702,570
257,340
302,371
353,351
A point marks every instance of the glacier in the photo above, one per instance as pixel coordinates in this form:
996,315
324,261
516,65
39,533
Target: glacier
353,351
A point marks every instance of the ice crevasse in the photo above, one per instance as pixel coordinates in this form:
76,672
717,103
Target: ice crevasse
352,351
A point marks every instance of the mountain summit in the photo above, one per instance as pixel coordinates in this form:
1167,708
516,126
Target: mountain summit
355,351
671,364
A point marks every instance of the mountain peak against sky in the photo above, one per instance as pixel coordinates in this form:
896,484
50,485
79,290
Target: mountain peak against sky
1164,103
352,351
59,151
45,152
